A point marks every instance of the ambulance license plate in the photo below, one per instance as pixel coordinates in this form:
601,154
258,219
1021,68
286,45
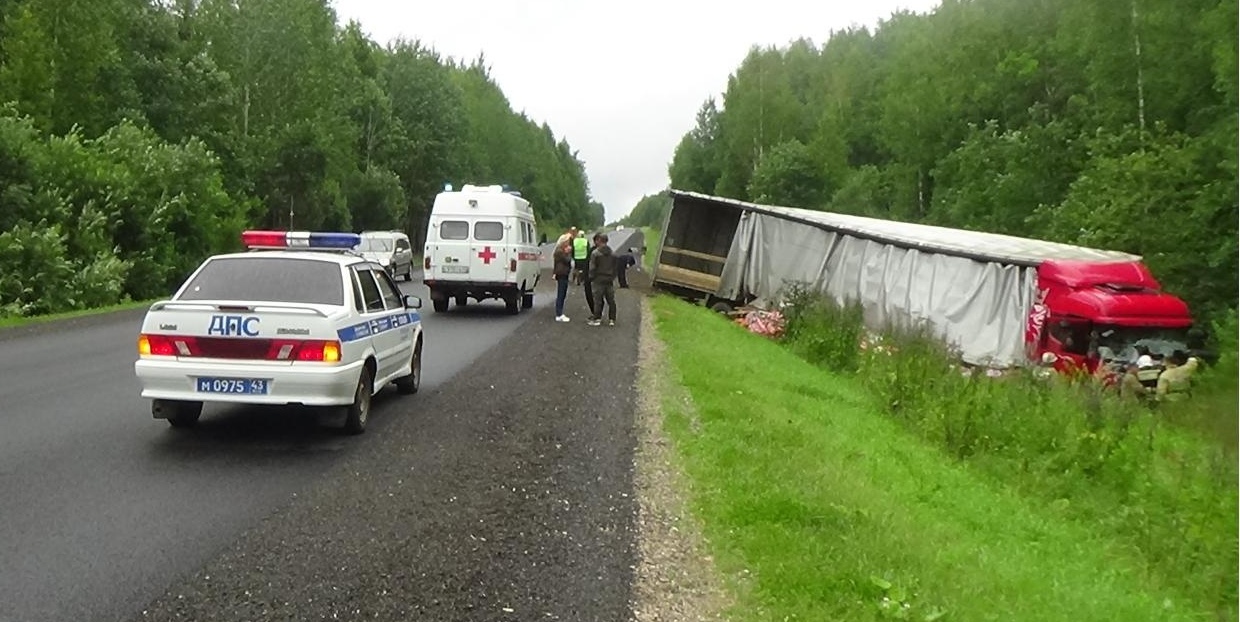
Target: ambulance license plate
456,269
240,386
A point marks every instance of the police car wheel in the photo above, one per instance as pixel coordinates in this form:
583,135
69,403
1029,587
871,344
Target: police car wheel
359,411
411,383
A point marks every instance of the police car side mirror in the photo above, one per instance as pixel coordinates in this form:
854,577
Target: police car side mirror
413,302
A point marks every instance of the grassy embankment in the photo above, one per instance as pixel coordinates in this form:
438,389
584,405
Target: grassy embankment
902,491
21,320
652,247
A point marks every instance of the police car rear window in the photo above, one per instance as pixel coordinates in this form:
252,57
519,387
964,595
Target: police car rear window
268,279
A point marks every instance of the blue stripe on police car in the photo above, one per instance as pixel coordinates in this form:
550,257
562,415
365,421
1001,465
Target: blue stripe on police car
376,326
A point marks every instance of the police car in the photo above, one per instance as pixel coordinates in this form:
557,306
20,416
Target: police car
299,319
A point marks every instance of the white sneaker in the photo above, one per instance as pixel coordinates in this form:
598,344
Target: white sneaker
561,318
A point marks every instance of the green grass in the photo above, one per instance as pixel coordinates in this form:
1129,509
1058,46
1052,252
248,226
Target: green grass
652,235
1157,481
818,506
16,321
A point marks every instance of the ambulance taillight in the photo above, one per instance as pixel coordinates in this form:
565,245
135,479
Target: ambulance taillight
426,263
512,265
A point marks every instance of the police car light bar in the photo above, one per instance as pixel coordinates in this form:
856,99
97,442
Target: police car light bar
300,239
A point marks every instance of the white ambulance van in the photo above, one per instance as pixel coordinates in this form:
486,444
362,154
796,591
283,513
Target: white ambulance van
481,243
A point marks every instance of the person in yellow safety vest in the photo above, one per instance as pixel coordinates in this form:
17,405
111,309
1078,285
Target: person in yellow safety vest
581,258
1175,383
1130,386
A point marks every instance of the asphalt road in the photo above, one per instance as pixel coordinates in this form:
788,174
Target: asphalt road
102,506
505,495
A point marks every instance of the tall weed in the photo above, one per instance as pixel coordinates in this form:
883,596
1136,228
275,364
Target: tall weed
1165,490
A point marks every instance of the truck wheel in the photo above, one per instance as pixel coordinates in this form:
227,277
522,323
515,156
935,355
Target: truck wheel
527,301
411,383
462,300
440,304
179,414
359,411
513,303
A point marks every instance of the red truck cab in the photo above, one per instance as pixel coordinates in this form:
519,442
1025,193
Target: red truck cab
1087,312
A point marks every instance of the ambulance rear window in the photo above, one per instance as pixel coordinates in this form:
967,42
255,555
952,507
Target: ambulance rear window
453,230
488,231
268,279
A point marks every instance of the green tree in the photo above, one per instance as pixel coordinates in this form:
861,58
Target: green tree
788,175
137,137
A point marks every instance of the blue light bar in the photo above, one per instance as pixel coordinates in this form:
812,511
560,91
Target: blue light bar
334,240
300,239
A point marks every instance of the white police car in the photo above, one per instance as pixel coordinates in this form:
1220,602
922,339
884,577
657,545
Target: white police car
300,319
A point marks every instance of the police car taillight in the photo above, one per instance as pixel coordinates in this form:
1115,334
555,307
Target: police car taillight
327,351
156,345
300,239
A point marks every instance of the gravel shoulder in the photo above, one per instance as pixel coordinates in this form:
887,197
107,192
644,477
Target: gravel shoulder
676,578
504,494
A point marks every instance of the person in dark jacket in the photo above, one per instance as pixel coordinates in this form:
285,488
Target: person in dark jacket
623,262
563,271
602,281
583,268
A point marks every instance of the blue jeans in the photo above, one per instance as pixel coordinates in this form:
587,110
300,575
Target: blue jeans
561,292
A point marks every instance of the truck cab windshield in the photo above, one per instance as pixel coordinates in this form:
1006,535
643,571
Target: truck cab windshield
1120,342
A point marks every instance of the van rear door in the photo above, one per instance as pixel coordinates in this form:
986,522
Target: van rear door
448,249
489,250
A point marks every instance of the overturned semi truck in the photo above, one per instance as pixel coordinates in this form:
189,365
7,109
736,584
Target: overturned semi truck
1003,301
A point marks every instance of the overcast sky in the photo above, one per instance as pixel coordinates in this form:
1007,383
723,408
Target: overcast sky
622,81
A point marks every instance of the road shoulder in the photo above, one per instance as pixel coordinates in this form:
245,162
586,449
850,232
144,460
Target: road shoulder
676,578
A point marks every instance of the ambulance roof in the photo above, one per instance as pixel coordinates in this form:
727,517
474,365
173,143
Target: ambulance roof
480,200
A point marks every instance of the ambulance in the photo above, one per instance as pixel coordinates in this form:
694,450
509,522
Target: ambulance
301,318
481,243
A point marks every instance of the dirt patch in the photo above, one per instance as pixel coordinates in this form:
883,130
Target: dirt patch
676,577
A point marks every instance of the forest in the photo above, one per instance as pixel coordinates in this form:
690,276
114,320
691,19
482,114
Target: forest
1104,123
138,137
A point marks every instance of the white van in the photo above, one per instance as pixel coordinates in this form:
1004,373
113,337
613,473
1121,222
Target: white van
481,243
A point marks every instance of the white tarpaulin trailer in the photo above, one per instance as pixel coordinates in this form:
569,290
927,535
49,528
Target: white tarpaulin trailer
974,288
